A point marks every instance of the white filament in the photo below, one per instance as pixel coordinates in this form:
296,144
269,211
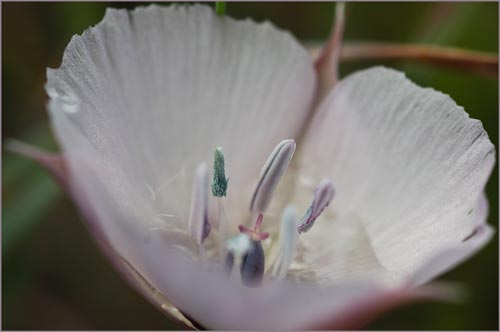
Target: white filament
288,243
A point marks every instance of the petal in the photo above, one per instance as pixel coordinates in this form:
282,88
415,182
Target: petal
407,160
56,165
450,257
145,96
150,93
337,248
211,300
362,312
218,302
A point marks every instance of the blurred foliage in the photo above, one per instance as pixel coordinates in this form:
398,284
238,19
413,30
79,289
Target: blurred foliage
53,276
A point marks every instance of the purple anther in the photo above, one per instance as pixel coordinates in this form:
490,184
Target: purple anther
198,225
271,173
323,195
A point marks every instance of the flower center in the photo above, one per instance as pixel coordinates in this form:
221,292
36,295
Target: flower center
244,251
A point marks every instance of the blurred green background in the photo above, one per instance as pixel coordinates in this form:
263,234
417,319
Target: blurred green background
53,276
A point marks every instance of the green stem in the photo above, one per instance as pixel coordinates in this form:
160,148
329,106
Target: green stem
220,8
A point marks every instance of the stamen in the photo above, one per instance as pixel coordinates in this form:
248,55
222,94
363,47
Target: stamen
221,226
323,195
219,182
288,243
198,225
271,173
219,187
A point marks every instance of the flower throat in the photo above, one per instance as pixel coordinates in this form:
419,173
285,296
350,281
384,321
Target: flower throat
244,251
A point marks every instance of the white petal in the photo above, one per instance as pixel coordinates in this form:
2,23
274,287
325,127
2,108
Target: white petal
145,96
407,160
149,94
218,302
450,257
337,248
345,306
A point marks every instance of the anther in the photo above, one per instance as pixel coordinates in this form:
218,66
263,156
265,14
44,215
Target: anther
288,243
323,195
274,168
198,225
219,182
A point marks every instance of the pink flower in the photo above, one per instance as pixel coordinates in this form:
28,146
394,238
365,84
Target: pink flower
385,188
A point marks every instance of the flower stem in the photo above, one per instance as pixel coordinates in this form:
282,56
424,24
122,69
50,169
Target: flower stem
220,8
477,62
470,61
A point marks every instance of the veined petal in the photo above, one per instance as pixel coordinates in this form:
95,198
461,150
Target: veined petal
218,302
408,160
452,256
145,96
337,248
150,93
56,165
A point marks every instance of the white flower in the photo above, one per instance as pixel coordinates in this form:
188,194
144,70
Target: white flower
146,96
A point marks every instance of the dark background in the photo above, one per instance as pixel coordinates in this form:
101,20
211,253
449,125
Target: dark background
53,277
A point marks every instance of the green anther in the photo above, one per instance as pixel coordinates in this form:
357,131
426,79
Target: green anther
219,183
220,8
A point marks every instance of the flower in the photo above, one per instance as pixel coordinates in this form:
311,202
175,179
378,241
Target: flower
382,179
